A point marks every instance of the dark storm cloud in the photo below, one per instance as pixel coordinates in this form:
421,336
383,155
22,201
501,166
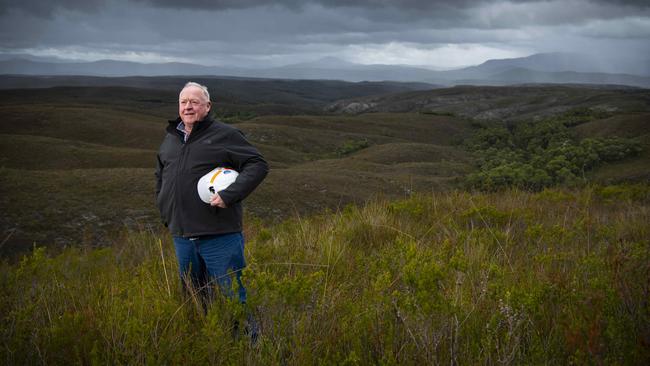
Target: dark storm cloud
221,31
367,4
295,4
636,3
413,7
333,20
47,8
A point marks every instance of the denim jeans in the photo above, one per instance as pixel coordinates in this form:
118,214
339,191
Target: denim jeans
211,259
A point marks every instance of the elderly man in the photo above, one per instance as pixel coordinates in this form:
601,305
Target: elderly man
207,237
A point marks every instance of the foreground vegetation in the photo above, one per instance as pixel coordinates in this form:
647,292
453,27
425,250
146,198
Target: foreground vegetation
555,277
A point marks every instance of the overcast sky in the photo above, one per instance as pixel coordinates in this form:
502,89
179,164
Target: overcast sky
254,33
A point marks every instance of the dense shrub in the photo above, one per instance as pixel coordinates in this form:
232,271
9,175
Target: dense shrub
541,154
350,146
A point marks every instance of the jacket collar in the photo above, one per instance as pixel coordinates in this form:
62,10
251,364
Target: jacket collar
198,127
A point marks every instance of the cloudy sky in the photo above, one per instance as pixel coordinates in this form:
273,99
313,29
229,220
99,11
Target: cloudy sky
256,33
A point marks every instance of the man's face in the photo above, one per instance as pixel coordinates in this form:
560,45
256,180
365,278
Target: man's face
193,106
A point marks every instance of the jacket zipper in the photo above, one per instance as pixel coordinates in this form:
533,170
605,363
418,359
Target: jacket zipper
178,196
179,169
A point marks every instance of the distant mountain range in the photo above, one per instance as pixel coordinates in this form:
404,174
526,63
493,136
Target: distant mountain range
539,68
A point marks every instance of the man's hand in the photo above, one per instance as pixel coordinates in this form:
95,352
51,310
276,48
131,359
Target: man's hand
217,201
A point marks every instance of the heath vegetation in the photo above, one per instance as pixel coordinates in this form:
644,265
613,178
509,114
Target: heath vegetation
554,277
467,225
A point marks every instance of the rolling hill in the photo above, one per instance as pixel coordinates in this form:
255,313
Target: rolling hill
76,163
538,68
562,62
157,95
499,103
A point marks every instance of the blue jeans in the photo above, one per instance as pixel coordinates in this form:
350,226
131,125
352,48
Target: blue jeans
211,259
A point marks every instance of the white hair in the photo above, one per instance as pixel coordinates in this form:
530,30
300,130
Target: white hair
203,88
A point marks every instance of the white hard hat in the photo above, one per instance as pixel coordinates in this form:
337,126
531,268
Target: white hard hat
218,179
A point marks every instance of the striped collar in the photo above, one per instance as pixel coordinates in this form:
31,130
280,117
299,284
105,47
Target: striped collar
181,127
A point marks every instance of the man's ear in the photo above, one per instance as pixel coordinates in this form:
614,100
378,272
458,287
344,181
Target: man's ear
209,106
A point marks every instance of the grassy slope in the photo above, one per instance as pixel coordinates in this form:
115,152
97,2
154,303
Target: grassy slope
92,155
261,96
73,206
55,132
46,153
85,123
557,277
631,125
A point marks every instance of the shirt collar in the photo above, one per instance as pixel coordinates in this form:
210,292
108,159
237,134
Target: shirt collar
181,127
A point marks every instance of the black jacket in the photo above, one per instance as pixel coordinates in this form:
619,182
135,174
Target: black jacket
180,166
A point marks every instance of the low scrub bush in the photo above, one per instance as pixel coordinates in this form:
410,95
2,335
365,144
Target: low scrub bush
556,277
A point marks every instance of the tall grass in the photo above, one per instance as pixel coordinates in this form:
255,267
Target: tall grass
556,277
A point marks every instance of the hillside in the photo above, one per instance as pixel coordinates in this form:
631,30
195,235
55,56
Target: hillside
501,103
555,277
253,89
556,67
77,162
632,125
560,62
617,112
150,94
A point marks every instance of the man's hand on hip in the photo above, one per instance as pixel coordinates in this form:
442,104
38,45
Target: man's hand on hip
217,201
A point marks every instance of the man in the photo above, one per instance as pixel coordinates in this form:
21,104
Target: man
207,237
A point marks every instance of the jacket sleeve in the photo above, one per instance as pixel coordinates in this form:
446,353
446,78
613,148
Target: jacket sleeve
158,174
249,163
